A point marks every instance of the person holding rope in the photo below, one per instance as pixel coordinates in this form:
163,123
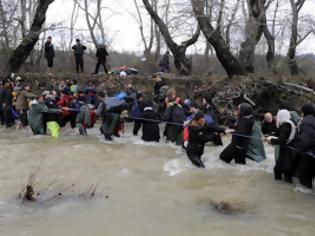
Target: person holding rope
199,135
285,164
306,147
238,147
150,125
173,114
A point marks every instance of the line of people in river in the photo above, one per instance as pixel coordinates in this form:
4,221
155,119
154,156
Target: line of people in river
187,123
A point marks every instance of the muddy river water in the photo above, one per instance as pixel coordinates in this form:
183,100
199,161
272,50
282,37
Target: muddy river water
140,189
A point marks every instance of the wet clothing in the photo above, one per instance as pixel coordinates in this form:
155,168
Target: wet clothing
78,54
6,99
84,119
110,121
305,149
54,129
49,54
36,118
66,101
269,128
175,114
22,105
198,137
52,115
285,167
137,112
238,147
150,130
256,148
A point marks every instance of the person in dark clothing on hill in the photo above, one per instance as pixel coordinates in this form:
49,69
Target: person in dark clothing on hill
306,147
285,138
6,99
165,63
238,147
159,83
150,129
269,126
101,55
49,53
78,54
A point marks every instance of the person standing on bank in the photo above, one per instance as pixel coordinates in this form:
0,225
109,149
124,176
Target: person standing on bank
165,63
78,50
101,55
49,53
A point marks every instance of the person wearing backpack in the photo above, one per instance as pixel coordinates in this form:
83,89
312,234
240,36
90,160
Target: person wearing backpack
78,50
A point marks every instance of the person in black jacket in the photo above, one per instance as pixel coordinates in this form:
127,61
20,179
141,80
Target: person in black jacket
150,129
199,135
285,164
78,54
101,55
49,53
269,126
306,146
238,147
6,99
174,114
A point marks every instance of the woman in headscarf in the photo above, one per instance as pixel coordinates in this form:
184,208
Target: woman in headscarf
238,147
306,146
286,133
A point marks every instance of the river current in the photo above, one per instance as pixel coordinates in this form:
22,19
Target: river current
88,187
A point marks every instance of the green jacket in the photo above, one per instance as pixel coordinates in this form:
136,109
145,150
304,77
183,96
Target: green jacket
35,118
256,149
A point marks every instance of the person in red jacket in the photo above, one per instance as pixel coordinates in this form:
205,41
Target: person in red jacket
65,103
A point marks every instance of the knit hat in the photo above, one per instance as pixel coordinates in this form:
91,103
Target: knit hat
199,115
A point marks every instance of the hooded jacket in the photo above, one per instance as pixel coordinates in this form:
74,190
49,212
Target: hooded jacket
150,130
306,136
244,126
21,103
36,117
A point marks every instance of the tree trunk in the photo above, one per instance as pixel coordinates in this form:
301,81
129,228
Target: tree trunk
254,31
21,53
293,66
226,58
4,26
182,63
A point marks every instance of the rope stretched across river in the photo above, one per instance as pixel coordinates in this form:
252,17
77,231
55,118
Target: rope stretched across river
183,125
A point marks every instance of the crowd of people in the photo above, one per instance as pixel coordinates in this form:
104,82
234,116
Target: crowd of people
187,123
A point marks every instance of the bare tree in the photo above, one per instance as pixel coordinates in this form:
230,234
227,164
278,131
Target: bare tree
182,63
296,7
73,20
21,53
231,65
255,27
